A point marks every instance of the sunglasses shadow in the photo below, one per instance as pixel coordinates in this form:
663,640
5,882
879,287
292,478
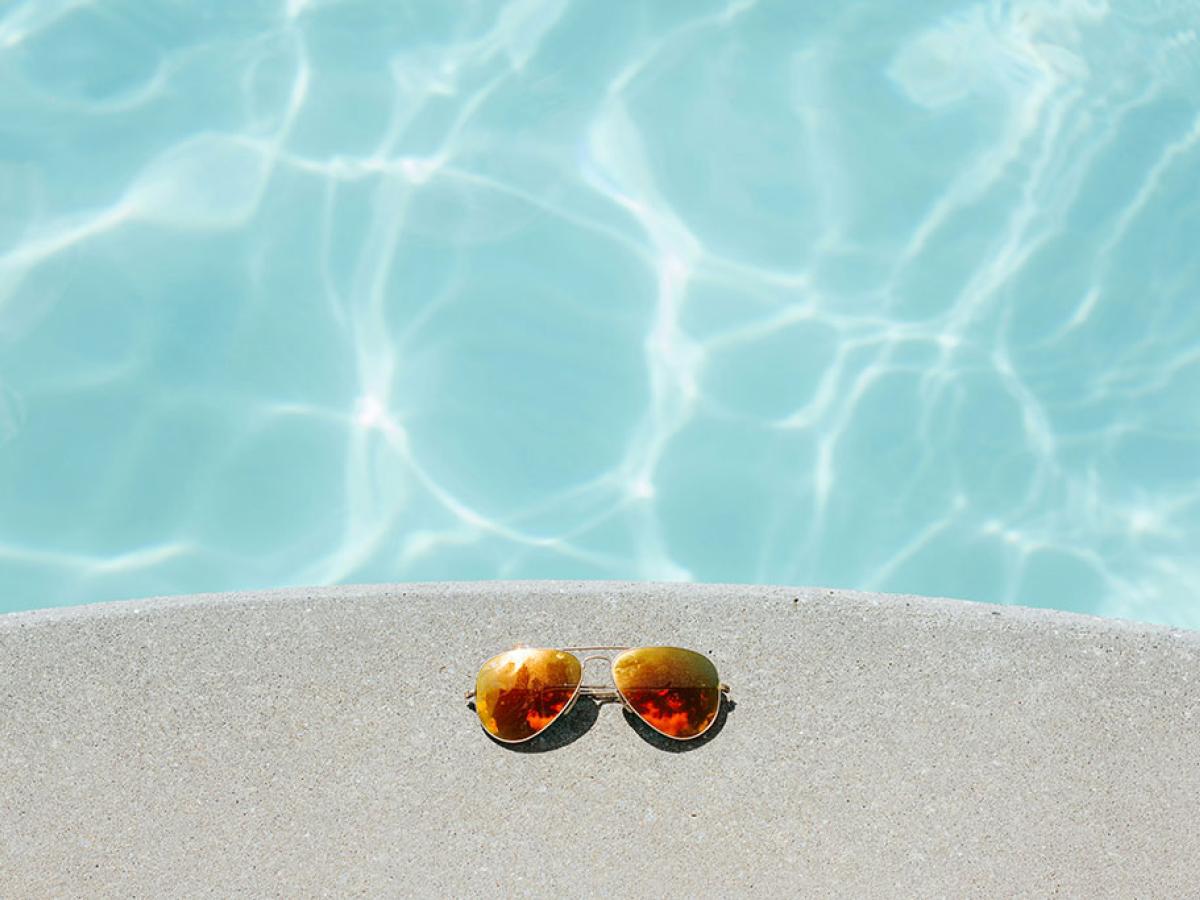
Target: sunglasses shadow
573,725
566,729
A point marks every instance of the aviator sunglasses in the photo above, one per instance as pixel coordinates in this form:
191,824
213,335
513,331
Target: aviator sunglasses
521,692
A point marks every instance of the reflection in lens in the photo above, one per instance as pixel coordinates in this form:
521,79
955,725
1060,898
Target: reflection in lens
674,691
519,693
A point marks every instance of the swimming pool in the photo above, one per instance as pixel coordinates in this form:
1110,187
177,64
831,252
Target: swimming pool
858,295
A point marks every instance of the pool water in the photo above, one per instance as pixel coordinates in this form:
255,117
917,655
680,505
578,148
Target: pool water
900,297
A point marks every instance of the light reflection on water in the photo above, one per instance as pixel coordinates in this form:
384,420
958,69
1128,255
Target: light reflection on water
895,299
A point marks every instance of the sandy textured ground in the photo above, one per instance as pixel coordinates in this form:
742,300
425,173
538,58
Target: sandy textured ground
315,742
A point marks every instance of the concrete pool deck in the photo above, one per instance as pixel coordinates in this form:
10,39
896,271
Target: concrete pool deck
309,742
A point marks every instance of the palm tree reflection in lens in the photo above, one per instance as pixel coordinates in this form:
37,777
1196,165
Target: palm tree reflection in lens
674,691
519,693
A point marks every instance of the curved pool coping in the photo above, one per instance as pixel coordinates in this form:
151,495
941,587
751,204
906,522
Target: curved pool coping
316,741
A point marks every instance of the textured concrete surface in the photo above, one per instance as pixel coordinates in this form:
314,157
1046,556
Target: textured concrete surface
316,743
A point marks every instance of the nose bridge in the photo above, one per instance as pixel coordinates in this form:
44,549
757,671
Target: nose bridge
606,660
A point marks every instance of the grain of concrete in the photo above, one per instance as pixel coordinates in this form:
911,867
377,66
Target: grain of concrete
315,742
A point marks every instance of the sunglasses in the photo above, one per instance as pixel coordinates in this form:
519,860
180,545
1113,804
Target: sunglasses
521,693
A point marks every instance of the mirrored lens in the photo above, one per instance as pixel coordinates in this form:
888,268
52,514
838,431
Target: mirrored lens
519,693
674,691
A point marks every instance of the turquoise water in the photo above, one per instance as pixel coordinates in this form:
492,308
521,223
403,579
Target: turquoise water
885,296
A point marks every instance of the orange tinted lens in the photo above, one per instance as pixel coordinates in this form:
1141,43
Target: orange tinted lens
674,691
520,692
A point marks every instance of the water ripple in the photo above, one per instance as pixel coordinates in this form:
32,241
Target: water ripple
900,299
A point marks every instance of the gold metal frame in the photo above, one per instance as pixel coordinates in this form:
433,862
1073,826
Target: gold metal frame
602,693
